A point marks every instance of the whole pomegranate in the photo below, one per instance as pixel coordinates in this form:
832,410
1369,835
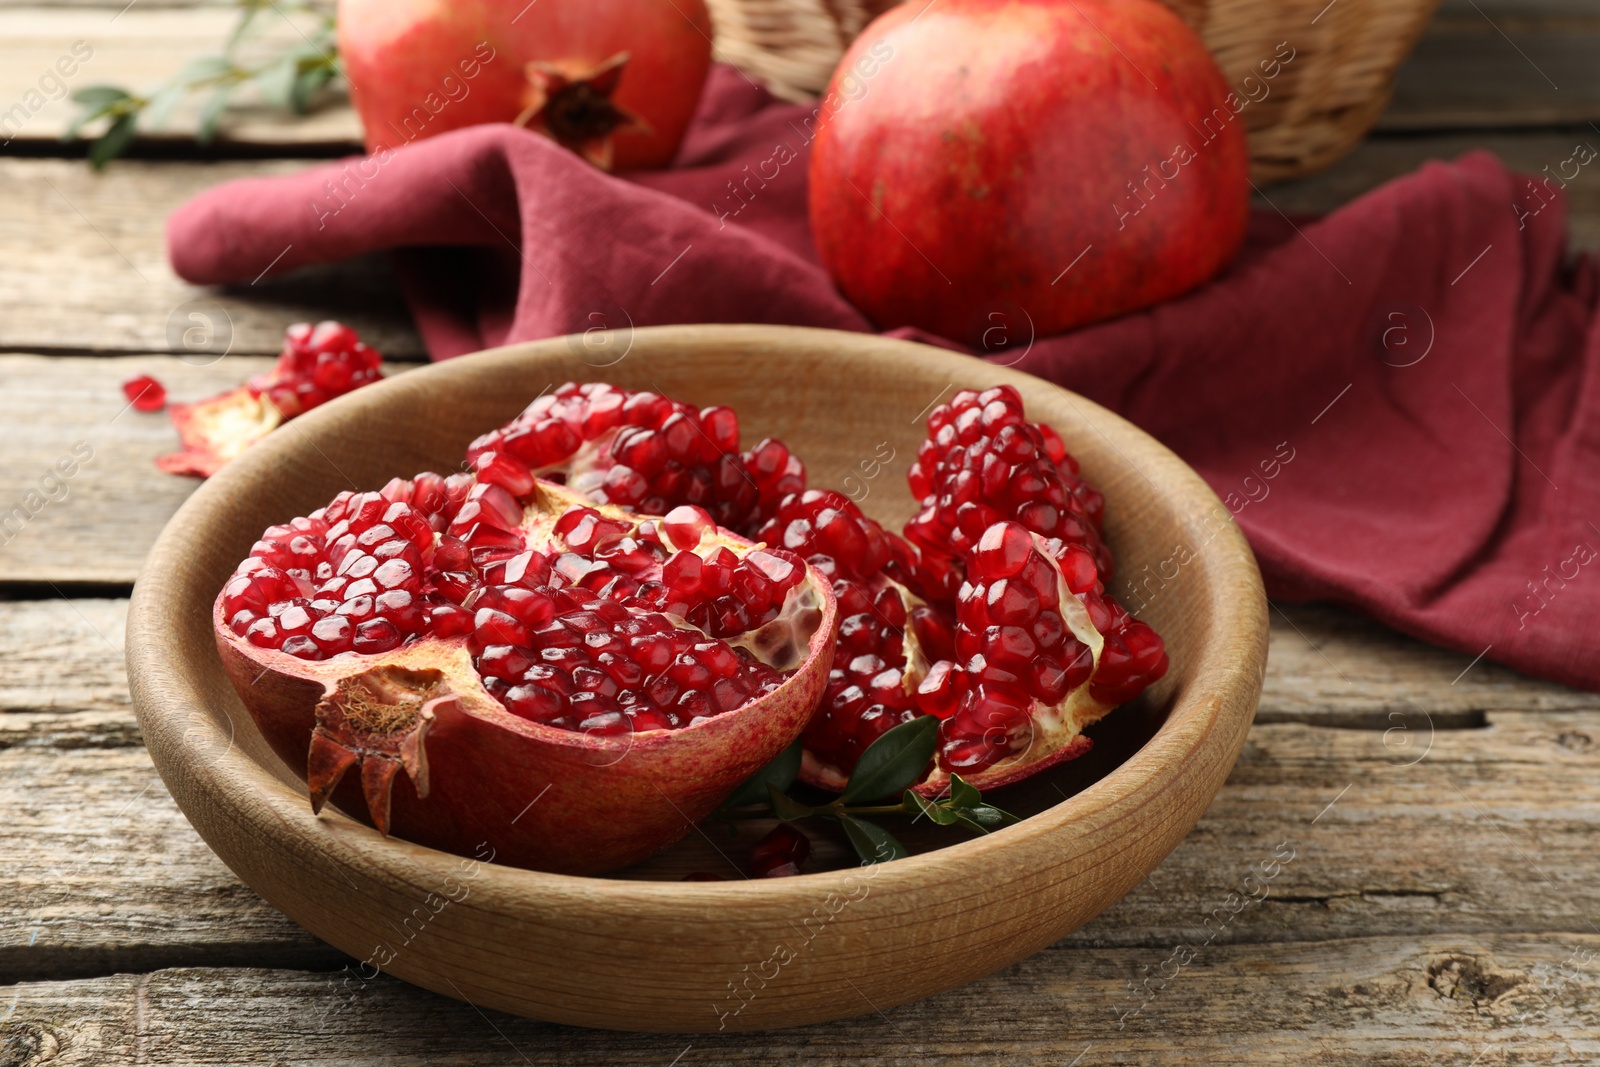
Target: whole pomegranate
996,167
614,80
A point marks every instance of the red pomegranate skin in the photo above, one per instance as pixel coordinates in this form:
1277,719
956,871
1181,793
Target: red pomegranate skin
418,68
999,143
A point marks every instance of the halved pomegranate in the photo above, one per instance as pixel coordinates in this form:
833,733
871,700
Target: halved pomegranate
566,683
644,452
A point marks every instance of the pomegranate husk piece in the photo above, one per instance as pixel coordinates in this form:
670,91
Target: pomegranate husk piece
477,777
214,431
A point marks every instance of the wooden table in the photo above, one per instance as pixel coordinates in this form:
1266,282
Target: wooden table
1441,812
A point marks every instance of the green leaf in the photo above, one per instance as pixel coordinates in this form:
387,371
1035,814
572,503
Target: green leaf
81,119
113,142
984,817
205,68
276,81
786,807
935,811
306,83
211,112
963,794
161,103
872,842
893,762
99,96
240,28
780,774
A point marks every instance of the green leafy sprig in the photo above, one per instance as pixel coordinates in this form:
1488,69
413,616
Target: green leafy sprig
288,80
890,767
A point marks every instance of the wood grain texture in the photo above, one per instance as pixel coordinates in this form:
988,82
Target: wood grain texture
1490,66
536,940
1491,831
97,524
1499,66
83,261
63,656
1379,159
1393,1001
98,281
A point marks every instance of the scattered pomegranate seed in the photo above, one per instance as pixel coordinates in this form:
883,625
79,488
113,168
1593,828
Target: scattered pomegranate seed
317,363
780,853
145,393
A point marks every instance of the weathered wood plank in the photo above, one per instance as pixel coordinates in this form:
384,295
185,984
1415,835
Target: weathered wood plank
63,656
1498,65
1331,667
103,871
96,524
1378,159
85,263
84,256
1379,1000
1498,69
84,266
1492,831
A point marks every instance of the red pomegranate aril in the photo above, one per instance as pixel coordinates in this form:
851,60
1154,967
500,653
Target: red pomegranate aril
264,633
302,646
145,393
939,692
333,634
687,524
780,853
984,462
376,635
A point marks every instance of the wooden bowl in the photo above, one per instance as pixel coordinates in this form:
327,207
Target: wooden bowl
645,951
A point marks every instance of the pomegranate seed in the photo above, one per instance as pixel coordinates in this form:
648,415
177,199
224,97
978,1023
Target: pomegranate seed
780,853
983,462
145,393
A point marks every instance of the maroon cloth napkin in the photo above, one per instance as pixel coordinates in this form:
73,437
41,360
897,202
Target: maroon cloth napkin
1398,402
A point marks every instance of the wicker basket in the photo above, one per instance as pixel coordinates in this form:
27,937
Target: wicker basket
1345,56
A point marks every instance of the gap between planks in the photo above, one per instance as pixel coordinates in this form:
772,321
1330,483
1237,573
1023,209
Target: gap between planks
1378,1000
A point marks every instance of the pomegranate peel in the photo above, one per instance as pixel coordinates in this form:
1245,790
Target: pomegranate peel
577,792
214,431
